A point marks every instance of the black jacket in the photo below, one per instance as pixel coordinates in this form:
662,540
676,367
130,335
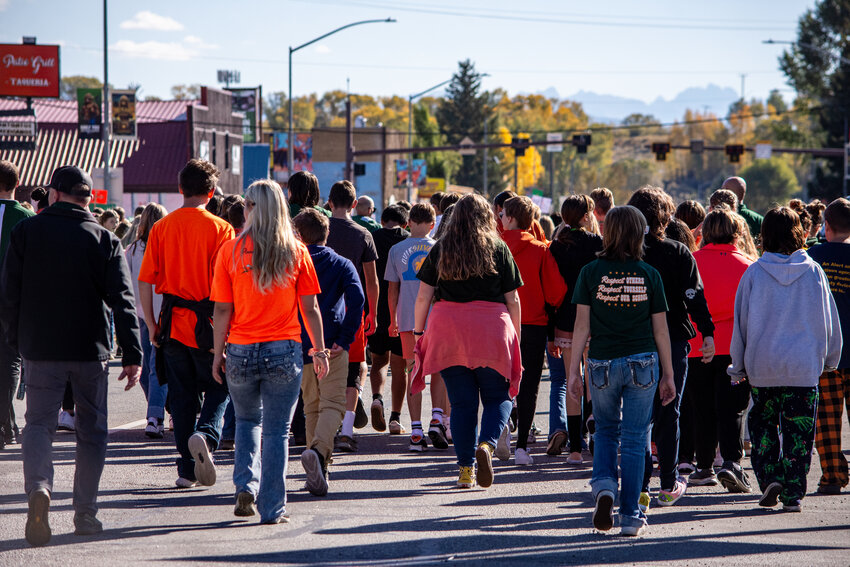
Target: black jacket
61,274
682,288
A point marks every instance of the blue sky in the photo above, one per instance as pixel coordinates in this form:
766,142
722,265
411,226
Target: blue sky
642,50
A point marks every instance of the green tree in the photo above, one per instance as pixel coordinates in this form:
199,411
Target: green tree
440,164
814,67
462,113
68,85
769,182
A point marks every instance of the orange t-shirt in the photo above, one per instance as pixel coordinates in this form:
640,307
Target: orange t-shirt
179,260
258,317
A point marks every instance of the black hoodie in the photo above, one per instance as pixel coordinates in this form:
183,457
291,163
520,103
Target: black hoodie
61,275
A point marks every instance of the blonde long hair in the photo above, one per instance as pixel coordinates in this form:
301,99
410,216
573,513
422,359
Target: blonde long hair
274,254
469,243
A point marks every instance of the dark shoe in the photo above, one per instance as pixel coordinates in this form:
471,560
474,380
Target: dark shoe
831,489
38,529
379,422
204,464
86,524
603,515
314,467
437,433
771,495
345,444
245,505
557,443
227,445
703,477
733,478
484,458
361,420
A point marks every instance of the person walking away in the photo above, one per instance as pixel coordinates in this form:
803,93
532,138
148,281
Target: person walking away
718,406
833,256
365,208
11,213
543,287
65,244
386,350
575,246
261,280
782,354
685,297
738,186
178,260
405,258
621,306
341,304
473,332
155,393
352,241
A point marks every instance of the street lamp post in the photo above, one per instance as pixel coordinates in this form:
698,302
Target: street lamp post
844,60
290,141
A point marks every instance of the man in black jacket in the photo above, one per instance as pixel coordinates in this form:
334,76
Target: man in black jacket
61,275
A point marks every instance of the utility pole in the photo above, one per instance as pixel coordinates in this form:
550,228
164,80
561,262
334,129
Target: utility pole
486,156
743,83
106,118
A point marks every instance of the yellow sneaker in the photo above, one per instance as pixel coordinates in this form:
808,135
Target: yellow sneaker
466,478
643,502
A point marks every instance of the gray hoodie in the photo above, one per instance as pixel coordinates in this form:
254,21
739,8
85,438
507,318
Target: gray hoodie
786,330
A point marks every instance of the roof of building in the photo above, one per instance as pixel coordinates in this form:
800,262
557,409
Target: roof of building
50,111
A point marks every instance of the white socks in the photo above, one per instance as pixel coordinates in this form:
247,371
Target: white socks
348,424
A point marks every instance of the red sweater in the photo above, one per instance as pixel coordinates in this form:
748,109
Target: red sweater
542,281
721,267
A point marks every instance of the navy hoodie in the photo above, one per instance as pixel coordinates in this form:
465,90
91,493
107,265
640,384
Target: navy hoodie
341,301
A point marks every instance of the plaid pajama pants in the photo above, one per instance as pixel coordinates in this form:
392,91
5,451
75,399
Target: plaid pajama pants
834,396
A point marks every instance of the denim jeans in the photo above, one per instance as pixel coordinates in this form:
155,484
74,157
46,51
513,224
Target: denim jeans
154,391
623,390
190,383
465,386
557,395
264,381
228,430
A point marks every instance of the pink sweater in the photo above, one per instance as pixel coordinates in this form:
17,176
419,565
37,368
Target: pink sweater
475,335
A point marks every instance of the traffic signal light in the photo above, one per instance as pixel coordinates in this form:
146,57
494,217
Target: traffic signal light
520,145
581,141
734,151
661,149
359,169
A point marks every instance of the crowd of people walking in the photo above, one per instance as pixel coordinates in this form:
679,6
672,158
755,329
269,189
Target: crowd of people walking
677,340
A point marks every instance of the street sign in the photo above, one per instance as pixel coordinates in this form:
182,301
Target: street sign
467,141
764,150
554,137
15,128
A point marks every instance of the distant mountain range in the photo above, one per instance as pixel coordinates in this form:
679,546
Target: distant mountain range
611,108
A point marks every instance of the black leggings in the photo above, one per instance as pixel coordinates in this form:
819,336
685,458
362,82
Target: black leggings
533,348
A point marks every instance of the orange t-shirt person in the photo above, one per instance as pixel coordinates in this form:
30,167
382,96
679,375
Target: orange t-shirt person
259,317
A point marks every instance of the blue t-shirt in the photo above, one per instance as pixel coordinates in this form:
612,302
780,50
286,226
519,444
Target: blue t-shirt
834,258
403,264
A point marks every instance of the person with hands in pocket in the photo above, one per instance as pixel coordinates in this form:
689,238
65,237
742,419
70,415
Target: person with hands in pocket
261,280
620,304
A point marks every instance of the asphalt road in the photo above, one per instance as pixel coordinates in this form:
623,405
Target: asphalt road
390,507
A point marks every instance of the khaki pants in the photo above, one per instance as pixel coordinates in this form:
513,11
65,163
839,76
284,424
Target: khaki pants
324,404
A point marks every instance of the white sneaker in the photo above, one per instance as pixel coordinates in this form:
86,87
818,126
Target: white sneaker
66,421
153,430
503,445
185,483
522,457
632,530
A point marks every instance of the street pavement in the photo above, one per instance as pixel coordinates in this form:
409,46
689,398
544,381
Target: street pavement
387,506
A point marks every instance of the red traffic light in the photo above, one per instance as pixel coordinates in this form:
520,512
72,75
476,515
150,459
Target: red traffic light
734,151
661,149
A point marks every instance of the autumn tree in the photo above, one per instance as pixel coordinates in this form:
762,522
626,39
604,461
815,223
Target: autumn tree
186,92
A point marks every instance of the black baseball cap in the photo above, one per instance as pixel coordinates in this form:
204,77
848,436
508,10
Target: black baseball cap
67,177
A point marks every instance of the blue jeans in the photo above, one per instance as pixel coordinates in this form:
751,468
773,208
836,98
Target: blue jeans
154,391
228,430
623,390
557,395
465,386
264,380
